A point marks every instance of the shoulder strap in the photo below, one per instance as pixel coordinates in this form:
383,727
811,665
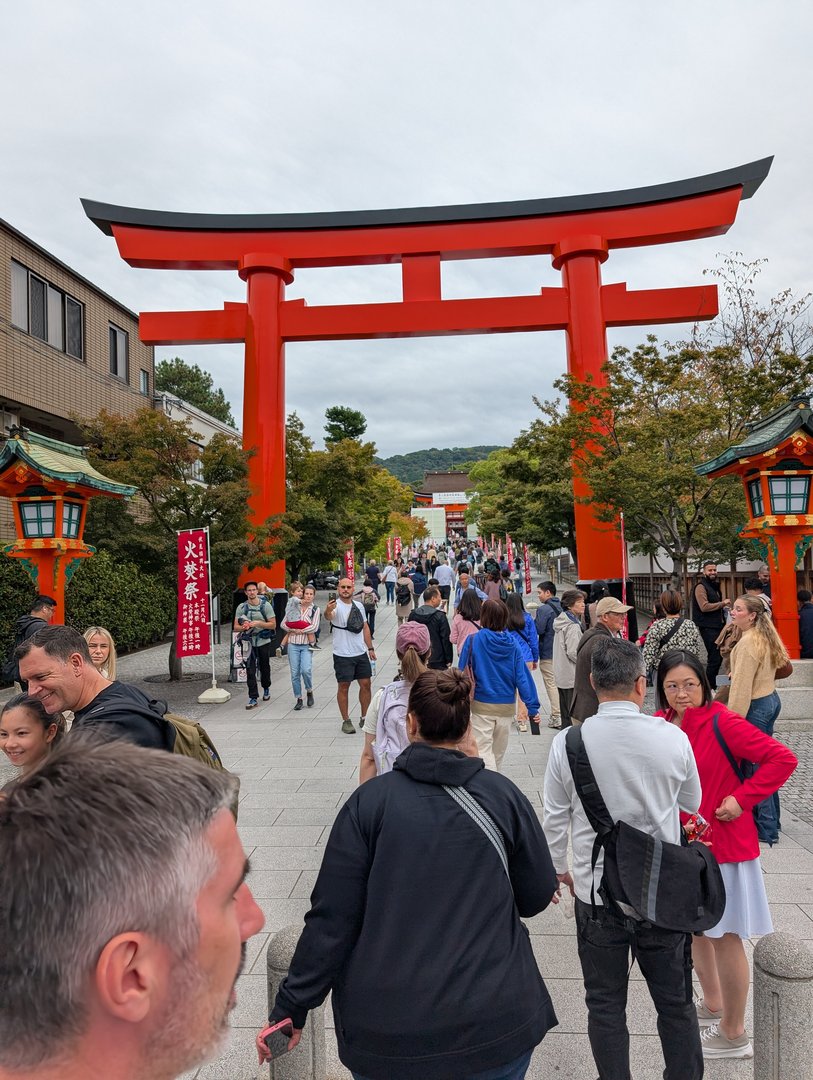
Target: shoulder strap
585,783
675,627
482,819
735,765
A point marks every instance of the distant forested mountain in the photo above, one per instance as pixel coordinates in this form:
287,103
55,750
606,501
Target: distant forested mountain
409,468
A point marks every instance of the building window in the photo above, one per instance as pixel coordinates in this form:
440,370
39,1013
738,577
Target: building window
46,312
196,468
119,349
755,495
144,381
38,518
71,516
789,494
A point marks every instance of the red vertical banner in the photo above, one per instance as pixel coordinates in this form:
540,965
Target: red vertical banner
193,637
389,548
625,633
350,563
492,543
396,547
509,550
499,549
526,562
480,542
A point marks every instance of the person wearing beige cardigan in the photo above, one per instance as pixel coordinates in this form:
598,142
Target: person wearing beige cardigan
754,661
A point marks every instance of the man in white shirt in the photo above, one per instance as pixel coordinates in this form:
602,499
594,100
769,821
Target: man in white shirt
646,772
352,652
389,575
444,575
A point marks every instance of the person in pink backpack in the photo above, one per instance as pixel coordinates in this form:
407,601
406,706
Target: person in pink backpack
385,727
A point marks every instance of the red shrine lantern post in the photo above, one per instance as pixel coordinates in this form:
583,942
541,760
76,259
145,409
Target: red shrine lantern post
578,232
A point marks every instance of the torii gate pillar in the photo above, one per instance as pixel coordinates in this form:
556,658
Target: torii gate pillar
577,231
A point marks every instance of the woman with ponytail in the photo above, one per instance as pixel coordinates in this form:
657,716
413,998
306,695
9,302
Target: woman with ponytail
754,661
415,920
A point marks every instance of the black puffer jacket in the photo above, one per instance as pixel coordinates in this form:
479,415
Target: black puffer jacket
414,926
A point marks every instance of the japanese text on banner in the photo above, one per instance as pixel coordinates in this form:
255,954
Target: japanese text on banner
193,594
350,564
509,553
526,562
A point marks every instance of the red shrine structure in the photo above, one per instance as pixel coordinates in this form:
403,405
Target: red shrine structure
774,460
577,231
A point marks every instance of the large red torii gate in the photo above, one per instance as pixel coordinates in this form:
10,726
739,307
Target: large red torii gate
578,232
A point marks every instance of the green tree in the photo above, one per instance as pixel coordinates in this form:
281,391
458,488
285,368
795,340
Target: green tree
190,383
343,423
158,456
332,495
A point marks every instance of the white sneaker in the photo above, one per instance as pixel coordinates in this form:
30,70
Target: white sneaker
716,1045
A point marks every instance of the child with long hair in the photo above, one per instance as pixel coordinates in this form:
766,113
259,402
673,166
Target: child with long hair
27,732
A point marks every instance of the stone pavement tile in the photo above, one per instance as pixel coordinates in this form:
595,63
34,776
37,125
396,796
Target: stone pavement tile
324,785
285,836
305,772
796,919
308,816
252,1001
239,1060
280,784
285,858
786,857
256,949
305,884
789,888
563,1056
262,817
282,912
267,797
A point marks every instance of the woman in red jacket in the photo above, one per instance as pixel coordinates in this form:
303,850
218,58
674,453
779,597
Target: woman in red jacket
685,698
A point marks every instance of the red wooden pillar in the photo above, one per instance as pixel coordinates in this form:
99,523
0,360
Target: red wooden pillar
264,394
579,258
782,559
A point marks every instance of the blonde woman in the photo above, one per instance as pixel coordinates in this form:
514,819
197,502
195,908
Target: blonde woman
102,649
754,661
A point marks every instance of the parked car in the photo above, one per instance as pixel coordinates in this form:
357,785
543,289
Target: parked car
323,579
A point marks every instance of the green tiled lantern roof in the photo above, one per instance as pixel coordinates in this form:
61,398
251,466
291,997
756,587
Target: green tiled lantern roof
766,433
57,461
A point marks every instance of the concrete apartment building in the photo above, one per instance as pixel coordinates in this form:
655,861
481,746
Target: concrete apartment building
66,348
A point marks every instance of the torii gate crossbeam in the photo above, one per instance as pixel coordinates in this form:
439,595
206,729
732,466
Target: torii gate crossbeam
577,231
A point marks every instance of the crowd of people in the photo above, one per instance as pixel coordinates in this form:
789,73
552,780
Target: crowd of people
436,846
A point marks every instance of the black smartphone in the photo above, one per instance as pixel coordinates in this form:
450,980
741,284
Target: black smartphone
331,596
277,1037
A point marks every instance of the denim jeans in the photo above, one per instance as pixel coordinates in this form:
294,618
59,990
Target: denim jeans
390,587
763,714
301,660
514,1070
665,960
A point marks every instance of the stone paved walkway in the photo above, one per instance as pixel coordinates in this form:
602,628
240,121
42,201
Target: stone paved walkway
297,769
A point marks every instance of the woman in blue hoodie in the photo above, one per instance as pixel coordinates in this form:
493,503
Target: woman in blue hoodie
523,630
496,665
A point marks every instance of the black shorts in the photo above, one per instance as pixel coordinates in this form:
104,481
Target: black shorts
445,591
350,668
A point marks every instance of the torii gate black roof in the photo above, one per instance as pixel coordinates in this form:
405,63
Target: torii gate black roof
749,177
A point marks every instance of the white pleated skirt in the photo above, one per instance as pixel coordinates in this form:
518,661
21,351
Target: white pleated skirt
746,909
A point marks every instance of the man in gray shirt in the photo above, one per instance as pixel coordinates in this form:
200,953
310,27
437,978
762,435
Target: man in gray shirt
646,772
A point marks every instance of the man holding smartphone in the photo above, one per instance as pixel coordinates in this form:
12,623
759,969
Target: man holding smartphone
352,652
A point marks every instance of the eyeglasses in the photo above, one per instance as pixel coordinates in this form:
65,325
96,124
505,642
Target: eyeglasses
687,687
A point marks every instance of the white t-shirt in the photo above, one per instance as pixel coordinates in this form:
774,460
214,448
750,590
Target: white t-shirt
345,642
371,719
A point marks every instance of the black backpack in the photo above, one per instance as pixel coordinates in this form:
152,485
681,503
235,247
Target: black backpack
402,595
646,881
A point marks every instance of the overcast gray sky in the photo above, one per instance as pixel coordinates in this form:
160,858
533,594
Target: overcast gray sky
278,106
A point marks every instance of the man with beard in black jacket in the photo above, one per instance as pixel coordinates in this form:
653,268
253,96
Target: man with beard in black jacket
433,618
27,625
57,666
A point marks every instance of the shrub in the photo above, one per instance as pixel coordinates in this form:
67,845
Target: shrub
136,608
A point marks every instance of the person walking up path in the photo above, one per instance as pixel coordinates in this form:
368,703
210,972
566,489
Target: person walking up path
352,652
494,661
299,649
646,773
256,616
549,608
389,575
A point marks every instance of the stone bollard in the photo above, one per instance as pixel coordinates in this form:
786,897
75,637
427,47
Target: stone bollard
783,1007
307,1061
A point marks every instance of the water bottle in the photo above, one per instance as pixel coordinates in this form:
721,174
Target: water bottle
372,665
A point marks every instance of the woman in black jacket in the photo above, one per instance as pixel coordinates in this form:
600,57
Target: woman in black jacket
415,917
